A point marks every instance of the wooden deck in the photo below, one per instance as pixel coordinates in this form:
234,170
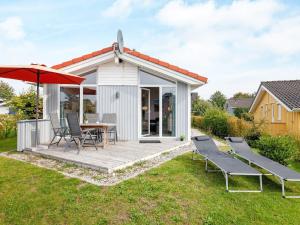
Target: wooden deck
112,157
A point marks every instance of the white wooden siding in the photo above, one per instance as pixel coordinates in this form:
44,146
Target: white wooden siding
117,74
25,130
182,110
125,107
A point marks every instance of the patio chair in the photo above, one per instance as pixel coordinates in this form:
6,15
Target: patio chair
226,163
84,137
58,130
111,118
240,147
92,117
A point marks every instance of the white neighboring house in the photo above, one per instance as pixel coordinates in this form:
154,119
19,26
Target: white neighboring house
4,109
150,97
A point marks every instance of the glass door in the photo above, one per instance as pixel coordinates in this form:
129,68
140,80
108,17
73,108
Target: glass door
168,111
145,111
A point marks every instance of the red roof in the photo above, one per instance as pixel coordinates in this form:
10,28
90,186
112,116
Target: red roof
136,54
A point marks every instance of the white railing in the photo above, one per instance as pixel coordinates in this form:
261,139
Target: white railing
26,133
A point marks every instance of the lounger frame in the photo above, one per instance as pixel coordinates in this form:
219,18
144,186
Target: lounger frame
227,175
281,179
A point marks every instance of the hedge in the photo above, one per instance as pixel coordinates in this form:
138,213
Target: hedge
278,148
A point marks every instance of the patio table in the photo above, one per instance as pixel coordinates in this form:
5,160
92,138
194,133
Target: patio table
103,126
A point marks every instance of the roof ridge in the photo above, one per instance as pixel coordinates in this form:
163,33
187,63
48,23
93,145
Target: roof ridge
137,54
271,81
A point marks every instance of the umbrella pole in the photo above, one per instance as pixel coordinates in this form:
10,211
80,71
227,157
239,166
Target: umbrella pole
37,107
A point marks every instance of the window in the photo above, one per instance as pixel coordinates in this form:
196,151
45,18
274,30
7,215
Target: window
149,79
89,100
90,77
279,112
81,99
69,102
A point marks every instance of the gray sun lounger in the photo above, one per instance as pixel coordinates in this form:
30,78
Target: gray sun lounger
240,147
226,163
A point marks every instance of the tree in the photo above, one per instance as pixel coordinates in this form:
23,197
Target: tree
243,95
6,91
218,99
25,104
200,106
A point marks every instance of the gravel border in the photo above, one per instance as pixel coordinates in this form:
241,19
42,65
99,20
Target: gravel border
94,176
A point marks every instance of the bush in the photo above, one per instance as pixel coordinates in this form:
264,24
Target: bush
215,121
278,148
238,127
219,123
239,111
197,122
8,125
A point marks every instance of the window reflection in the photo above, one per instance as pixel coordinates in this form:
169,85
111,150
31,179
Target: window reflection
89,100
69,101
168,111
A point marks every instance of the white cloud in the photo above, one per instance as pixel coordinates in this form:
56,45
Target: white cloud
123,8
231,42
12,28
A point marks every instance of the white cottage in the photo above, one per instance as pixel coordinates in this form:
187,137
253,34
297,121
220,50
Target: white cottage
152,98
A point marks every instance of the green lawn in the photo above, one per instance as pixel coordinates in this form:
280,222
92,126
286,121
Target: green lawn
178,192
8,144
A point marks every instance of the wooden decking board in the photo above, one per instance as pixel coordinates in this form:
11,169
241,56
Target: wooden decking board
111,158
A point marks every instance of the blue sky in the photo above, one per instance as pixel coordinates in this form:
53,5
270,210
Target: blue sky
236,44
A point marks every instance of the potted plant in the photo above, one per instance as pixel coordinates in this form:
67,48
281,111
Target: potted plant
182,137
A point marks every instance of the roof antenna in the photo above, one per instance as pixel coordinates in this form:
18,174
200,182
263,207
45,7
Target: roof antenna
118,47
120,41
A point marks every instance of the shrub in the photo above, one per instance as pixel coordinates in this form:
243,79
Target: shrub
215,121
197,122
239,111
278,148
8,125
238,127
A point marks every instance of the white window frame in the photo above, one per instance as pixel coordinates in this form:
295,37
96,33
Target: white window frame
160,107
80,97
279,112
160,110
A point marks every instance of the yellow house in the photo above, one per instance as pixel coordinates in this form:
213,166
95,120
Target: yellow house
277,103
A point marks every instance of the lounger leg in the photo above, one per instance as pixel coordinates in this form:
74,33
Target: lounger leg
226,181
250,191
260,183
282,188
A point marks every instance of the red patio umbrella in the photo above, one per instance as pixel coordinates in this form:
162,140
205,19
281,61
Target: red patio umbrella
39,74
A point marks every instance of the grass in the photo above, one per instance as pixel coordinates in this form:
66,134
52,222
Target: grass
8,144
178,192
